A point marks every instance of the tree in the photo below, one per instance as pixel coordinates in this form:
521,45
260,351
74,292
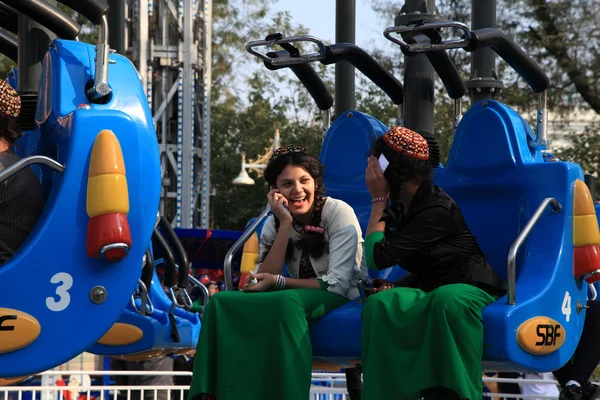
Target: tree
558,35
248,104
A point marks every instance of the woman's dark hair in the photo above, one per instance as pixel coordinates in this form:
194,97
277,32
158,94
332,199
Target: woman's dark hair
9,130
400,170
311,243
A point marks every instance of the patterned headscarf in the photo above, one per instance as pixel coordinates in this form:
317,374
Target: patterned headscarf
407,142
10,101
288,149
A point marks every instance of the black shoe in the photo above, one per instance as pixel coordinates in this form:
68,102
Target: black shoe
571,392
590,391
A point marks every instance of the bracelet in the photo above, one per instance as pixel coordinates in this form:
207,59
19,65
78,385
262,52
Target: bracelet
379,200
279,283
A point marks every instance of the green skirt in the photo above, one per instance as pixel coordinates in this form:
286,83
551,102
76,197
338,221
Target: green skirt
412,340
257,346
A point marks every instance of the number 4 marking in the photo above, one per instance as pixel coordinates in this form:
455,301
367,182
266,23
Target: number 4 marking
566,306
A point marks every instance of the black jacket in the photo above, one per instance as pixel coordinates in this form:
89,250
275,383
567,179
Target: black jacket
21,203
432,241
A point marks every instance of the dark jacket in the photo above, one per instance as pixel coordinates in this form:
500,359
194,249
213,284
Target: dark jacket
21,203
432,241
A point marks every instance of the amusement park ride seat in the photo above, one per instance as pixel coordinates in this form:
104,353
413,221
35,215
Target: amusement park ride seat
82,262
497,175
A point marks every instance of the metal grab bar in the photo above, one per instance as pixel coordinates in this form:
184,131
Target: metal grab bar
287,61
100,88
238,245
423,47
27,161
511,268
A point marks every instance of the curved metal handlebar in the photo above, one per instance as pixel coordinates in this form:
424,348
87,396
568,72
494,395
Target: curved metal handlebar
300,59
511,266
27,161
47,15
495,39
205,293
423,47
238,245
9,46
91,9
100,87
181,258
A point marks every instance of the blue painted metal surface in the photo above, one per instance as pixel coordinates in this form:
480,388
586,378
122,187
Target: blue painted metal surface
156,327
55,252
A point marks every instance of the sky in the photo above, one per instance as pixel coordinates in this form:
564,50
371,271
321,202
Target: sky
319,17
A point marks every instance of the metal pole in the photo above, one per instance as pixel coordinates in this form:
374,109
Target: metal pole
418,76
484,83
188,140
205,185
33,41
116,25
345,32
142,33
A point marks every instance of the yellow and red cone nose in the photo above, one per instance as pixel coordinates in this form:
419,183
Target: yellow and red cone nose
249,259
104,230
107,202
586,236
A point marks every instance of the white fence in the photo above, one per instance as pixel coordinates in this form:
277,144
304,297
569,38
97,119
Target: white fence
326,386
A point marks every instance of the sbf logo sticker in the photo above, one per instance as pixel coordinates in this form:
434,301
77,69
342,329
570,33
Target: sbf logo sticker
548,334
17,330
4,324
541,335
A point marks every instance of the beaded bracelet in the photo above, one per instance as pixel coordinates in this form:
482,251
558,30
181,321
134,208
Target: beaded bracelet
279,283
382,199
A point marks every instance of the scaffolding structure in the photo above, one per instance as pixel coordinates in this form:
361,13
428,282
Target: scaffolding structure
169,42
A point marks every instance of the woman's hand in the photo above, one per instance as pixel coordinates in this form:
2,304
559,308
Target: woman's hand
277,202
376,182
265,283
379,285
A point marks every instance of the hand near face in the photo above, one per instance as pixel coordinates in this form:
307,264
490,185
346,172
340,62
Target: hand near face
376,182
277,203
265,283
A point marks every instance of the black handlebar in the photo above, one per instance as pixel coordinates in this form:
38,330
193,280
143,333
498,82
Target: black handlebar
9,19
8,46
308,77
512,54
368,66
159,241
446,70
148,270
93,10
45,14
181,258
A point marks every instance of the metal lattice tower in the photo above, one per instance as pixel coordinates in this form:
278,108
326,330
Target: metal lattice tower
170,44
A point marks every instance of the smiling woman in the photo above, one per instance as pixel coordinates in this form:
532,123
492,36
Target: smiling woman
321,242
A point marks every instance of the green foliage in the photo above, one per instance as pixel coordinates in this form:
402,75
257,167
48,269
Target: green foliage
245,119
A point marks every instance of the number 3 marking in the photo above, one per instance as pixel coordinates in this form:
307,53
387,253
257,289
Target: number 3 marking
566,306
65,282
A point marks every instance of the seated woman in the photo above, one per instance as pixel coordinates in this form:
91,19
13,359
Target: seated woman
256,345
21,195
425,339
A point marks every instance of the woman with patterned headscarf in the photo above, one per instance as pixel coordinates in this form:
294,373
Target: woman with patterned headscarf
424,338
255,344
21,196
